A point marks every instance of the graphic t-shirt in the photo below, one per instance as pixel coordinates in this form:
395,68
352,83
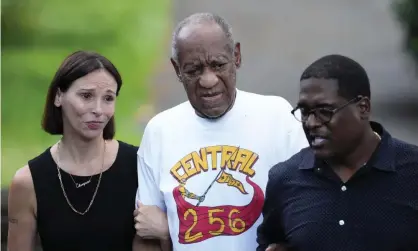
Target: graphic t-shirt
210,176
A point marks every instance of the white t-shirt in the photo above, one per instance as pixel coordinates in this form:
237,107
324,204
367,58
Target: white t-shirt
210,175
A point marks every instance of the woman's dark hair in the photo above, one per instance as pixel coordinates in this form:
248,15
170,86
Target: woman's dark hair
75,66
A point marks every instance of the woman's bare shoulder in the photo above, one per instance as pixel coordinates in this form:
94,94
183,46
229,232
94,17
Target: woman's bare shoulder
21,190
22,179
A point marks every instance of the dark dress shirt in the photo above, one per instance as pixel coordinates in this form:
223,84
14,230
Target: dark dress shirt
309,208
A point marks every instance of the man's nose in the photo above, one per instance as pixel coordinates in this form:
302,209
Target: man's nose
311,121
208,79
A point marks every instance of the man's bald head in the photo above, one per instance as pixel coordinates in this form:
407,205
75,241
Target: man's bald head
188,25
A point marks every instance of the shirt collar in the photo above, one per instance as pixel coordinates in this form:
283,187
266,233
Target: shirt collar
383,157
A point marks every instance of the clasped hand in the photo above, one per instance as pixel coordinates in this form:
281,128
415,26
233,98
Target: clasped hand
151,222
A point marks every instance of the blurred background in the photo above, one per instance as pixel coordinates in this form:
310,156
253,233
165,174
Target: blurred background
279,39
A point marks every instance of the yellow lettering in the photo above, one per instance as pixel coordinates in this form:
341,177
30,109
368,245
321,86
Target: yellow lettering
214,150
185,162
228,156
224,178
247,169
233,223
218,220
243,156
200,161
236,224
187,236
231,157
175,172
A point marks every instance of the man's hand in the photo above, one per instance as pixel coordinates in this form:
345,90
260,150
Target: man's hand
151,222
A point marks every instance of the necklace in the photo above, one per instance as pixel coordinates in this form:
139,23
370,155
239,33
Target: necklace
82,184
77,185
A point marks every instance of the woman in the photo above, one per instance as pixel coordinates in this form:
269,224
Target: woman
78,194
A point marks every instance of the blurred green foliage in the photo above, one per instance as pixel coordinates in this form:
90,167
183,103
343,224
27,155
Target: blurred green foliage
407,13
38,35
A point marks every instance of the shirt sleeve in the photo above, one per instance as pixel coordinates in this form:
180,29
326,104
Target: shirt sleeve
270,230
149,192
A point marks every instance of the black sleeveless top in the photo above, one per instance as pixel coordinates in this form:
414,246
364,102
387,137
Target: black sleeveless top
107,226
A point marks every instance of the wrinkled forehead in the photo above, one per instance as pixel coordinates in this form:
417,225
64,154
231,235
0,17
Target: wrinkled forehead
97,80
318,91
202,41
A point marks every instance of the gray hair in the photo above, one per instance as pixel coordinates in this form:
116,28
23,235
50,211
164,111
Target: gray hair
201,18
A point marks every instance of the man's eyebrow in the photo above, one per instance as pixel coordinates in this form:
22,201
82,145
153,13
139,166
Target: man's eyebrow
190,64
320,105
220,57
326,104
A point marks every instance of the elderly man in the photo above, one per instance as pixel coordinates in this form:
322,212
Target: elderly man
355,187
217,146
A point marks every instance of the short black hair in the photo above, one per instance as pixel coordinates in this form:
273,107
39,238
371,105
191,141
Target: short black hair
75,66
351,76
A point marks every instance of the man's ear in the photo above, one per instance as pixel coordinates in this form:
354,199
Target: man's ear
237,55
176,68
365,108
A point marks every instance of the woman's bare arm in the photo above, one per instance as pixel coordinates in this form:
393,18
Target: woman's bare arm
22,212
